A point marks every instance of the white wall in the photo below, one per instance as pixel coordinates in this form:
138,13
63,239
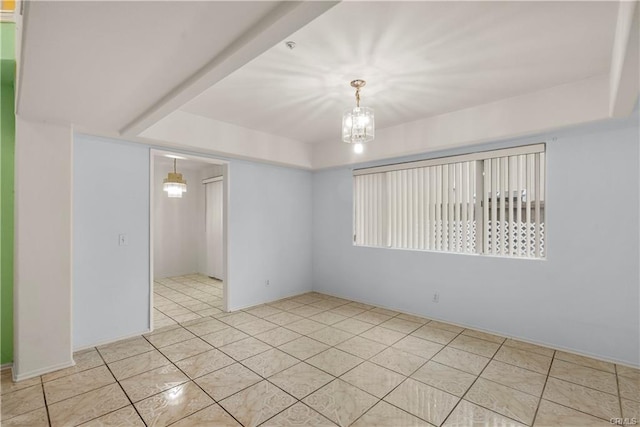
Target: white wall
584,297
42,284
178,238
111,282
269,233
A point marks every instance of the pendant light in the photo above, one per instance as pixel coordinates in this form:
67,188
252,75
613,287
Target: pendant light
358,124
174,185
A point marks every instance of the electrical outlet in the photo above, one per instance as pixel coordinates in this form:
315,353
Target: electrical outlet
123,240
436,297
266,282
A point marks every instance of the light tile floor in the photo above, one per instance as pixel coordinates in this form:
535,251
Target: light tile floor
317,360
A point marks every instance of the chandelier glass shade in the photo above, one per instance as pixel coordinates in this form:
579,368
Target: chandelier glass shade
358,123
174,184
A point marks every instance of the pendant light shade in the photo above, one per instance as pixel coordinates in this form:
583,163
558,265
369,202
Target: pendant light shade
358,123
174,184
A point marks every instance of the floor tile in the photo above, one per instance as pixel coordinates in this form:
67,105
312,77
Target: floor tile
74,384
305,326
334,361
444,378
152,382
518,378
347,310
484,336
306,311
331,336
298,415
520,345
135,365
87,406
629,388
84,360
463,360
303,348
257,403
21,401
278,336
237,318
123,349
212,415
361,347
36,418
283,318
383,335
7,385
263,311
434,334
551,414
126,416
301,380
423,401
173,404
398,361
586,361
630,409
524,359
412,318
401,325
467,414
206,327
245,348
628,372
385,415
372,317
593,402
475,345
227,381
373,379
503,400
255,327
285,304
341,402
385,311
204,363
224,337
418,346
270,362
184,349
588,377
327,318
353,326
446,326
171,337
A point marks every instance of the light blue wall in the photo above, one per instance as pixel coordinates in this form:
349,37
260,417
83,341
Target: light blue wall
269,236
110,282
584,297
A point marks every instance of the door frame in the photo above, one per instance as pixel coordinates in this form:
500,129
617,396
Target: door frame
153,153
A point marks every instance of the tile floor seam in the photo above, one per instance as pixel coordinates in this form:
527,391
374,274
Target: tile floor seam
546,380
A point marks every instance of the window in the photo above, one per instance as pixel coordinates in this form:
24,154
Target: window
482,203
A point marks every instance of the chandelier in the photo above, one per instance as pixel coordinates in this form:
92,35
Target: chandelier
358,123
174,185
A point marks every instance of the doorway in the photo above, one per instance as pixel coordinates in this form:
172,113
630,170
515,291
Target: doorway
188,238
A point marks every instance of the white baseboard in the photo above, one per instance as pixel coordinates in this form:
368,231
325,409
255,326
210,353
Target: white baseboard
462,325
35,373
6,366
112,340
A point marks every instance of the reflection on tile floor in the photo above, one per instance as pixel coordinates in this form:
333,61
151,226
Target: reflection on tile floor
317,360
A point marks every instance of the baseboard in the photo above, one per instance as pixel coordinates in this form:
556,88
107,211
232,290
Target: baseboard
6,366
502,334
112,340
42,371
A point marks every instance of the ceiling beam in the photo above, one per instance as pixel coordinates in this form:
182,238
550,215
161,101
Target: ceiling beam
285,19
625,71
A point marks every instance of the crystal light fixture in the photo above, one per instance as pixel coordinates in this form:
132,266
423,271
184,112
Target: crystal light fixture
174,185
358,125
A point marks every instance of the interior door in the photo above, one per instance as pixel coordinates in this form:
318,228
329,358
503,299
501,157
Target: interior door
213,229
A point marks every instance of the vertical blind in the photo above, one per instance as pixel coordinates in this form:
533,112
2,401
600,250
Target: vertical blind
490,202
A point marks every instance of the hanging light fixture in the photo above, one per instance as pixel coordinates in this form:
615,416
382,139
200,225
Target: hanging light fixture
358,126
174,185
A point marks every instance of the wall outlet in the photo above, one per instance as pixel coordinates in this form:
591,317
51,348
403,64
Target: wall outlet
436,297
266,282
123,240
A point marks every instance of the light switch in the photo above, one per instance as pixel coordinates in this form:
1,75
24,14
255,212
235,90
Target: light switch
123,240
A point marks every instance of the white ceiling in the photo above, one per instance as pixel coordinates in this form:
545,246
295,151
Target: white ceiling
215,76
419,59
